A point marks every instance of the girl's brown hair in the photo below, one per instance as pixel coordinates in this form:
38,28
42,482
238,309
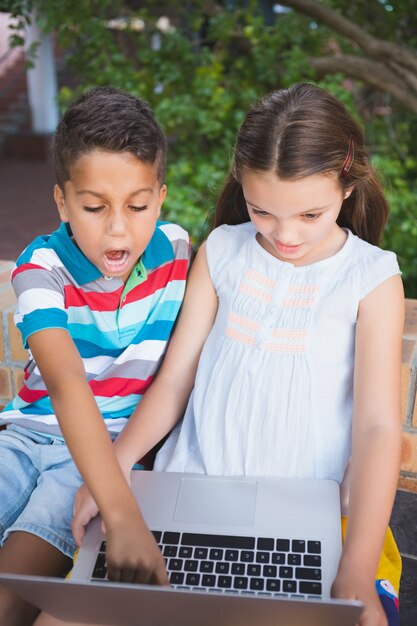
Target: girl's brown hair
298,132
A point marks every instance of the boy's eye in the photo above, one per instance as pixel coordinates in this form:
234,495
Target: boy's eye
138,208
311,216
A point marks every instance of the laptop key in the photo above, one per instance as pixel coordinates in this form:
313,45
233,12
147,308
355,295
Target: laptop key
185,552
231,555
286,572
262,557
175,564
253,570
208,581
170,551
171,537
278,558
222,567
294,559
289,586
273,585
240,582
264,543
311,588
307,573
314,547
256,584
218,541
191,566
238,569
200,553
312,560
206,567
247,556
224,581
270,571
282,545
157,534
176,578
216,554
298,545
192,579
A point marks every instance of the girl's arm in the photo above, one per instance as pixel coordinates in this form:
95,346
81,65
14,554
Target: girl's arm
165,401
376,444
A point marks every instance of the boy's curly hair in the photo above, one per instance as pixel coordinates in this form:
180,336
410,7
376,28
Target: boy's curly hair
106,118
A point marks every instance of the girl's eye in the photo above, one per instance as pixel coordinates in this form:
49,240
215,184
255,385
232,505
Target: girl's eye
259,212
311,216
93,209
138,208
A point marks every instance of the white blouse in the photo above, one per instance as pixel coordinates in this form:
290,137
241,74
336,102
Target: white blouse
274,388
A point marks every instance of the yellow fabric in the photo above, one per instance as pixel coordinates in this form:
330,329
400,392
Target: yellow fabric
68,576
390,565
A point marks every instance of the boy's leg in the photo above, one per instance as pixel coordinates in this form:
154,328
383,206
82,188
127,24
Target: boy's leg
24,553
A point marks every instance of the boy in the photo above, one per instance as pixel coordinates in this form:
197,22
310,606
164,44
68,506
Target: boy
97,301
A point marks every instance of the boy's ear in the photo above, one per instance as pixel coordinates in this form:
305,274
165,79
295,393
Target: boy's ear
60,203
162,196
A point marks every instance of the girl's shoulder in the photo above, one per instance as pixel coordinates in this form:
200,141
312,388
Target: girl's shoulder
226,245
371,264
226,239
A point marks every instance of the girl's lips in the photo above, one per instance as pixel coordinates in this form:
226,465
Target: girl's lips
286,249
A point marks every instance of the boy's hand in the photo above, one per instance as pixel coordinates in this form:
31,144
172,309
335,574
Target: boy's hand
133,555
352,587
84,510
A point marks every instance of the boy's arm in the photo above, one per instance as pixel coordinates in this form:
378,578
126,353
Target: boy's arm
164,402
84,430
376,443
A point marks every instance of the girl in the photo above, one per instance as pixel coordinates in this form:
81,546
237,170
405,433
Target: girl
288,347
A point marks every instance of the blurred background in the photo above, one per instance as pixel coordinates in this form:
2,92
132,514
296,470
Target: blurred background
201,64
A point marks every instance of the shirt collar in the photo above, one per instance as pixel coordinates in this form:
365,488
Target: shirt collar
158,251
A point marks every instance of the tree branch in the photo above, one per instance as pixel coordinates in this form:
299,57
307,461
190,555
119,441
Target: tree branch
371,72
375,48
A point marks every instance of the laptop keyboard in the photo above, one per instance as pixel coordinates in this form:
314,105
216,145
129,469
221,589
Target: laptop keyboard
229,564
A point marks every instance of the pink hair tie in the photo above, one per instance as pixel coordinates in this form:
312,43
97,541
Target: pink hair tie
348,161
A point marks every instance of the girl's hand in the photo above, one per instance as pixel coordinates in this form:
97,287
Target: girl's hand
84,510
352,587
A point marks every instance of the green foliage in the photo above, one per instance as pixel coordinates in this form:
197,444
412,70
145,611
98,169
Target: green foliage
211,67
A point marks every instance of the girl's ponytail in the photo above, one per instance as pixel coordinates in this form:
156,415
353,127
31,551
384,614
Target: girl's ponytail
231,206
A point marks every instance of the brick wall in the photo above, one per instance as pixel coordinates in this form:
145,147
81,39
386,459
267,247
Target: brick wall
13,358
12,354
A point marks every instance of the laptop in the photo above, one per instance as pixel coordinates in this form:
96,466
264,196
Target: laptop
239,551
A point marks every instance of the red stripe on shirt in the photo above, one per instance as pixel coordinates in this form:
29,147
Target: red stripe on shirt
25,267
177,270
103,301
119,386
31,395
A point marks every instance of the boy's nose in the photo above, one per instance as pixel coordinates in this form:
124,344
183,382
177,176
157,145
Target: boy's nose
116,224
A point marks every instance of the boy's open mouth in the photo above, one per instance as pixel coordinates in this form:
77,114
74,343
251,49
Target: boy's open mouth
115,259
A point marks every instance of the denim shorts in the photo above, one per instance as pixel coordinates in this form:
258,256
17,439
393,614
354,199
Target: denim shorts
38,483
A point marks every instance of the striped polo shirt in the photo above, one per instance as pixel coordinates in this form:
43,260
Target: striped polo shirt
121,331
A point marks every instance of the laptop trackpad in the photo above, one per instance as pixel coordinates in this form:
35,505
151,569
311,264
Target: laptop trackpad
223,502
